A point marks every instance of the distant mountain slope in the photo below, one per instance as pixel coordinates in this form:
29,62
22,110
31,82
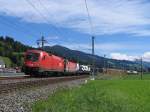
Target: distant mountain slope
85,58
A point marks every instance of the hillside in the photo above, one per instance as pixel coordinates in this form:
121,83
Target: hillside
100,62
11,51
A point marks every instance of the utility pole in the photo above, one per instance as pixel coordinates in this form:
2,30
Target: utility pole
93,64
104,64
93,39
141,68
41,41
124,68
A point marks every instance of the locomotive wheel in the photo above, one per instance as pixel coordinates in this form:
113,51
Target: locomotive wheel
59,74
45,74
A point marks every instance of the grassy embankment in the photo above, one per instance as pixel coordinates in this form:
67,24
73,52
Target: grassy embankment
115,95
6,60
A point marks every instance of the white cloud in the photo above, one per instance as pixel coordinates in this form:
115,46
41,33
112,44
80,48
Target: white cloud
120,56
108,16
146,56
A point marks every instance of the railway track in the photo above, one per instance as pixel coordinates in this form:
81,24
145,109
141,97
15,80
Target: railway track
10,85
13,77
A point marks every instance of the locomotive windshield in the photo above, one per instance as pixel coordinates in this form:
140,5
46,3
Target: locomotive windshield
32,56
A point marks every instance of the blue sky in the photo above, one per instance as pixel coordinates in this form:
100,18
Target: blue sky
121,27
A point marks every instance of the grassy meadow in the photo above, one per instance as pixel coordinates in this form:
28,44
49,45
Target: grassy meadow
127,94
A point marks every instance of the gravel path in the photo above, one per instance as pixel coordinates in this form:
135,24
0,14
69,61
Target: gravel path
21,101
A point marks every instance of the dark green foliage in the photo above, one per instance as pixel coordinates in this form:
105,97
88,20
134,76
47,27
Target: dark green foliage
7,61
13,50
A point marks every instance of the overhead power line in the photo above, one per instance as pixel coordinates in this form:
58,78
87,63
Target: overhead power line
44,7
89,19
42,15
47,10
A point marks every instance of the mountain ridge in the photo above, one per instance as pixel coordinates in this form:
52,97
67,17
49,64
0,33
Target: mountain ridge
86,58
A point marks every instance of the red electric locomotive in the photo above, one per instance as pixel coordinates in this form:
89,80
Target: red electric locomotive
41,62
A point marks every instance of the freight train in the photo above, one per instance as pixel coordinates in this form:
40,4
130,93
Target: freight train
38,62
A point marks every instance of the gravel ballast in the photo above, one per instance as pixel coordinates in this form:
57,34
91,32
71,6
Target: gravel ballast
21,101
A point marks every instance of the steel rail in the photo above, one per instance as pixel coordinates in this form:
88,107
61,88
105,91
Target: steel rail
12,87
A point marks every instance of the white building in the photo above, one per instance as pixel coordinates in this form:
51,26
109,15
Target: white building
2,64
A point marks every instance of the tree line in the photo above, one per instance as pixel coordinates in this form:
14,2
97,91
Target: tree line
13,50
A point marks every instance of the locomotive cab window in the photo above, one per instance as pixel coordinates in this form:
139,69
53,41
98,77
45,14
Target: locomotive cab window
32,56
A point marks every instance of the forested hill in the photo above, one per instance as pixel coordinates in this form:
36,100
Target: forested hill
11,51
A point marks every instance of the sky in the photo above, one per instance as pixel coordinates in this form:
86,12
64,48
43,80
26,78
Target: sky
121,27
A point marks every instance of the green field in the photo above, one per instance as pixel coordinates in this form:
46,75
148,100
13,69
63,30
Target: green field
117,95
